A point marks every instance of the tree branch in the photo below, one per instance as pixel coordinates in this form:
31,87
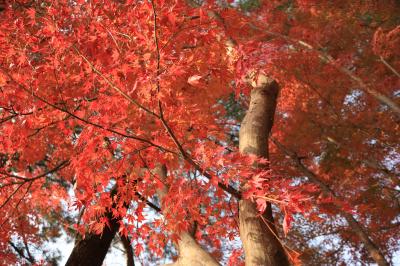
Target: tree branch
82,119
112,85
382,98
355,226
23,179
184,154
21,253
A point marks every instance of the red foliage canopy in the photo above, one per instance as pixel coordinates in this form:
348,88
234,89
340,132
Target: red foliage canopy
93,92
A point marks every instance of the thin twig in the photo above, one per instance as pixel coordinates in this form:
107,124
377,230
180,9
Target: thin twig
389,66
11,196
82,119
112,85
58,167
20,252
329,59
182,151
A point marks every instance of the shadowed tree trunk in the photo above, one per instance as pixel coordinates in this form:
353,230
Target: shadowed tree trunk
261,246
92,249
126,242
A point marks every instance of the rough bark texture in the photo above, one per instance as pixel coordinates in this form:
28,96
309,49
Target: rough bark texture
261,246
93,248
190,252
355,226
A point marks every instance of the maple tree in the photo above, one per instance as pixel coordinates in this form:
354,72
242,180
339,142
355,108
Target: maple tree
122,109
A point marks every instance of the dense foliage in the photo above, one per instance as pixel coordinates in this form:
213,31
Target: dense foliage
96,94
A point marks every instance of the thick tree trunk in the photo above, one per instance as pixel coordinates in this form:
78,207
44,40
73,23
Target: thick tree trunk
190,252
93,248
261,246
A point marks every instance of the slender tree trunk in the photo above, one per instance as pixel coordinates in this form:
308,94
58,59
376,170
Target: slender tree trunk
354,225
126,242
190,252
261,246
93,248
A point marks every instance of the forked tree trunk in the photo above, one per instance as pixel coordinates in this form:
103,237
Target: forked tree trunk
190,252
261,246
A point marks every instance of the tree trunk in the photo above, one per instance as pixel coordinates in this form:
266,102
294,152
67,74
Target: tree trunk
261,246
190,252
93,248
126,242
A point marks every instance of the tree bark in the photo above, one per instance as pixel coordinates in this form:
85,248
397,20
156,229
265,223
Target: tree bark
2,5
126,242
261,246
93,248
190,252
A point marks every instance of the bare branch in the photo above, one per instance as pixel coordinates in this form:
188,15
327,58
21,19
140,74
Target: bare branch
21,252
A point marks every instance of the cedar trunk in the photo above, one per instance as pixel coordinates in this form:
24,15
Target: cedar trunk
261,246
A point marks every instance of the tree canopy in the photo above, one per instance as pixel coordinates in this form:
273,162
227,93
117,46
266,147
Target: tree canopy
128,113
